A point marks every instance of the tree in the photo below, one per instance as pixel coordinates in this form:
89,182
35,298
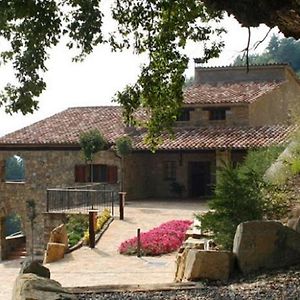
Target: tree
159,28
91,142
279,50
241,194
124,147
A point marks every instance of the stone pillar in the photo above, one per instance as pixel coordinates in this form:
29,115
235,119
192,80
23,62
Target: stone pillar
223,157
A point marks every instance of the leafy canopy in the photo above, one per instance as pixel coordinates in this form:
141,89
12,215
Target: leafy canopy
124,146
159,28
279,50
241,194
91,142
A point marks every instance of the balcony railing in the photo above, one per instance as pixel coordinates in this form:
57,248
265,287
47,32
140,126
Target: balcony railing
81,198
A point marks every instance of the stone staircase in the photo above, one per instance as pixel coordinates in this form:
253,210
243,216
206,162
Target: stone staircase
19,252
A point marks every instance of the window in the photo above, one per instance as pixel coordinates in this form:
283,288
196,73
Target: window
184,114
101,173
170,170
14,169
216,114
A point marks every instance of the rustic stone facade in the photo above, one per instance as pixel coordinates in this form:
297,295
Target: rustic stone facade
43,170
170,172
278,106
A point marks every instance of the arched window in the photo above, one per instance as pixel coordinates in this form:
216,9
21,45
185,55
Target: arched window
14,169
12,224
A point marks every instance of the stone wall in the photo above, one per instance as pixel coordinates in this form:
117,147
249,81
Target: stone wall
237,115
276,107
239,74
43,170
145,175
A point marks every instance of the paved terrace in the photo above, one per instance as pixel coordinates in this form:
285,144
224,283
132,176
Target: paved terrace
104,265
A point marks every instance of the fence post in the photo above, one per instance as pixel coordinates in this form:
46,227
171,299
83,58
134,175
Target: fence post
122,204
138,242
112,202
92,217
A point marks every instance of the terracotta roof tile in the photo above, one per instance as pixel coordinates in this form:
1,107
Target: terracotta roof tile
65,128
207,138
242,92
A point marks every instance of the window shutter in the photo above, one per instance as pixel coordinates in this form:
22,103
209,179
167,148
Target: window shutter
2,170
112,174
80,173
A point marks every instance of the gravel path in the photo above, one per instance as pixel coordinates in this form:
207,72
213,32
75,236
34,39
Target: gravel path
277,285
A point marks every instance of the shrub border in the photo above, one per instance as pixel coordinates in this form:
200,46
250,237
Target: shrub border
97,237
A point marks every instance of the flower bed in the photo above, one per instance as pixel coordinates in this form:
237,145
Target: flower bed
166,238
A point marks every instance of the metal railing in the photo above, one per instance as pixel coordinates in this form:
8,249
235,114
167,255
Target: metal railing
80,199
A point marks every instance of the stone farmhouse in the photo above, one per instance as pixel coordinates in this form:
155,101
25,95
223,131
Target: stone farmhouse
226,112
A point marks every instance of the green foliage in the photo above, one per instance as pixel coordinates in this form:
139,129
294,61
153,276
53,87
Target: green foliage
76,226
279,50
160,29
241,195
124,145
91,142
260,160
189,82
238,198
14,169
295,166
31,29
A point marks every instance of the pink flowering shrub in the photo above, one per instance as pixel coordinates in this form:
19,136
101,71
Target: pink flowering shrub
165,238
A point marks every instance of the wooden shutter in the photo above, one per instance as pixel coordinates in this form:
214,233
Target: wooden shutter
80,173
112,174
2,170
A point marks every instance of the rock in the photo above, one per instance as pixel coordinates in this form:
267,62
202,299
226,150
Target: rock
195,243
296,212
31,286
188,234
211,265
294,223
59,235
34,267
180,264
54,252
265,245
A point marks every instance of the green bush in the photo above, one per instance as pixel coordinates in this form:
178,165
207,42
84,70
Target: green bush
242,195
76,226
295,166
237,198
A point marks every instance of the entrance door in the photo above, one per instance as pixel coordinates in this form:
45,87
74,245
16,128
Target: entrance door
199,178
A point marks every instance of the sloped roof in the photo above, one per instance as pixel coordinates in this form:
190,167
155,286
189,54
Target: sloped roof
65,128
237,93
208,138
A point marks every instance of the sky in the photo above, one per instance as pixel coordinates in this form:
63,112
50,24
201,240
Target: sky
95,81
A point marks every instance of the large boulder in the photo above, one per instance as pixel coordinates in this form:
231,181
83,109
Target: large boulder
210,264
180,264
265,245
29,266
59,235
30,286
54,252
